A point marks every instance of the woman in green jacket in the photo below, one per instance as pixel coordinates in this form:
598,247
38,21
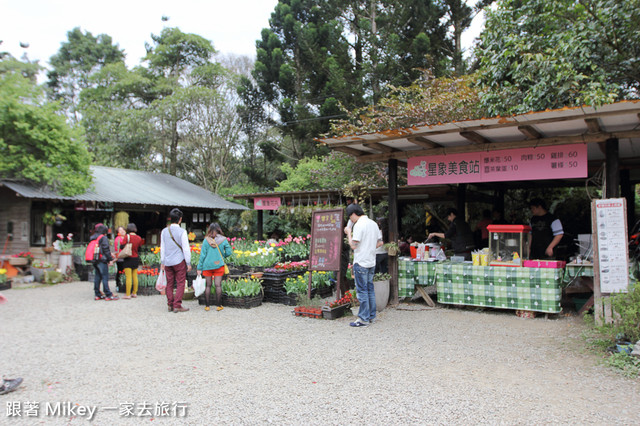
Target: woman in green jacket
215,248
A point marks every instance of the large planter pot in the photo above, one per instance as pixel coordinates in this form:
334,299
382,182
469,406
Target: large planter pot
83,271
65,263
382,294
38,273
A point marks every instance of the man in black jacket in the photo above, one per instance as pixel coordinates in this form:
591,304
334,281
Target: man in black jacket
459,233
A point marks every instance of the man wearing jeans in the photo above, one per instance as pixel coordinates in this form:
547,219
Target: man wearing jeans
175,260
363,239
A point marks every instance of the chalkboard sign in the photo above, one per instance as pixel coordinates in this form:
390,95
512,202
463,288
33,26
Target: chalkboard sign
327,232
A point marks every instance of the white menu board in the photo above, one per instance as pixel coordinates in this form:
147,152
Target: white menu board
611,236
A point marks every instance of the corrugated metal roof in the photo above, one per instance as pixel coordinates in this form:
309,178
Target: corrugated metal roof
135,187
584,124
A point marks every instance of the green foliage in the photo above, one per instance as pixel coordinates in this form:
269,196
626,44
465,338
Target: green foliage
627,364
538,54
627,305
427,100
36,144
242,287
77,59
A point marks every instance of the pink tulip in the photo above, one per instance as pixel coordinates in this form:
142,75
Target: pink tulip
60,236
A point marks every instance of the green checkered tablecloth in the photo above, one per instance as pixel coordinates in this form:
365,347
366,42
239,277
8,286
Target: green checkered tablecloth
530,289
572,272
412,273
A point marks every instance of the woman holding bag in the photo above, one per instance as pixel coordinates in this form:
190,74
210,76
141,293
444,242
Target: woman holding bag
215,248
130,263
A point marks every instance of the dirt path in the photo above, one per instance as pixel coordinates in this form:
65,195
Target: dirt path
414,366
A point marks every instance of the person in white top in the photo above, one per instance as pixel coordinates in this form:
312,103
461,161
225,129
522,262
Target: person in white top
363,239
175,258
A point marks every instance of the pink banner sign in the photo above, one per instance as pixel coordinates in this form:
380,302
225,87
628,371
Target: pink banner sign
271,203
547,162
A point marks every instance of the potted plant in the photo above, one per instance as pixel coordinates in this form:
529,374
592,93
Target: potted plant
5,282
381,288
54,217
338,307
23,258
64,245
241,293
392,249
38,268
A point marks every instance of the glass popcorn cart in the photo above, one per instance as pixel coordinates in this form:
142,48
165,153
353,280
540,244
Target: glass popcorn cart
508,244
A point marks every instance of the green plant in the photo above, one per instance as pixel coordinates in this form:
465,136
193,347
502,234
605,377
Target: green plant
627,364
242,287
150,257
381,277
297,285
627,305
3,276
64,244
50,218
53,277
320,279
41,264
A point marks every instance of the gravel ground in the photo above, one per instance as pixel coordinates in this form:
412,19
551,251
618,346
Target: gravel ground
413,366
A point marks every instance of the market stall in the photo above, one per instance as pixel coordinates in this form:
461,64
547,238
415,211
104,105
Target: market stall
517,288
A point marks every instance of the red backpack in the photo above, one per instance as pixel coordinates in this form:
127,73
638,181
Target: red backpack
93,250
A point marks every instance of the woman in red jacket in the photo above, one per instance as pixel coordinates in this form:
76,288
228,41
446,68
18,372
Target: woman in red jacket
130,264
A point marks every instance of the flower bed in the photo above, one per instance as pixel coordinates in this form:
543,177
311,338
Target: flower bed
308,311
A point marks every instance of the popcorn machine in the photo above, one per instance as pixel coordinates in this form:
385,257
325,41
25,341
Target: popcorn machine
508,244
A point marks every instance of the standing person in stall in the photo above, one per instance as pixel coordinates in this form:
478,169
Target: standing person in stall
382,257
459,233
363,239
546,231
121,233
215,248
175,260
130,264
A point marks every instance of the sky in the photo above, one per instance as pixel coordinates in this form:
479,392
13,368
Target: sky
232,25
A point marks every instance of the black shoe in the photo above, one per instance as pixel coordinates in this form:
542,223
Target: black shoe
10,385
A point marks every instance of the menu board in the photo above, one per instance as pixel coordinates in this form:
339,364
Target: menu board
611,243
326,240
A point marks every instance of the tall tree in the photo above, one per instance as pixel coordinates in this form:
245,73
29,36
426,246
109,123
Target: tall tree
81,56
538,54
179,65
36,143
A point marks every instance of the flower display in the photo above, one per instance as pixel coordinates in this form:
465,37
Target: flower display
296,246
288,266
191,236
260,257
344,300
151,257
3,276
195,253
147,277
241,287
64,244
41,264
24,254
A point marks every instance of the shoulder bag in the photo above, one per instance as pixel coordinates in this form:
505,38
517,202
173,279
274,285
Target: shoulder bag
226,268
126,251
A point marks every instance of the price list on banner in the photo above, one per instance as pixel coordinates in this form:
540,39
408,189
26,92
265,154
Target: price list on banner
611,238
326,240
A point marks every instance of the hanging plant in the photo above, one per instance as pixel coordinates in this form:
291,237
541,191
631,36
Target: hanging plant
53,217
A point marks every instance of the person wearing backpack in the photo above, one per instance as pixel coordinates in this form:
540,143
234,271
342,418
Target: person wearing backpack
101,261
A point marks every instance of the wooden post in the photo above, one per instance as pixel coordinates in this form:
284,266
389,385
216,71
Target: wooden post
612,169
259,225
393,230
627,191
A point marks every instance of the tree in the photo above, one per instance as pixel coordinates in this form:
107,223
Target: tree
36,144
76,61
427,100
179,66
537,54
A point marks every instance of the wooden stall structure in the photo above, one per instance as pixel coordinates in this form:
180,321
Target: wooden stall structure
608,135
